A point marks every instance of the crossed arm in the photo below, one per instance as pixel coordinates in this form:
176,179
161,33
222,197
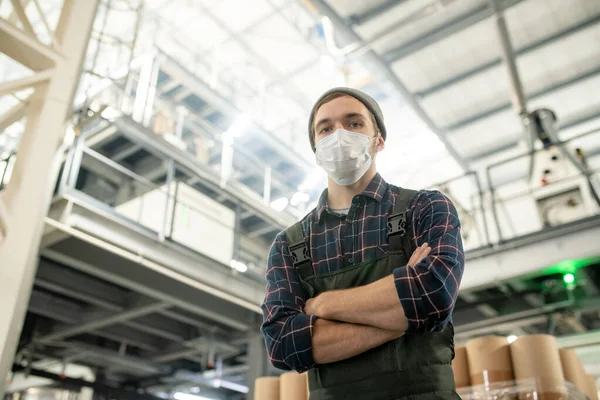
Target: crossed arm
368,316
337,325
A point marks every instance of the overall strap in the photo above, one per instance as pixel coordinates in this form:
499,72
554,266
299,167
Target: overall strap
399,229
299,249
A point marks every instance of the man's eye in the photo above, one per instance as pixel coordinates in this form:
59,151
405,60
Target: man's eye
355,125
325,130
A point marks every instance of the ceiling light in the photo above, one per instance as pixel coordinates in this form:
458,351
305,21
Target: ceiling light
299,198
280,204
185,396
511,338
569,278
239,266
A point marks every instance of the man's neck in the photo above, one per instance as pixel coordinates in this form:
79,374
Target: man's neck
340,197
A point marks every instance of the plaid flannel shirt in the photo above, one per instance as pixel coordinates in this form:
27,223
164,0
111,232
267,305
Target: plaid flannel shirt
427,291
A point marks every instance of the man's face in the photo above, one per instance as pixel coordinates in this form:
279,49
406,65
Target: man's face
347,113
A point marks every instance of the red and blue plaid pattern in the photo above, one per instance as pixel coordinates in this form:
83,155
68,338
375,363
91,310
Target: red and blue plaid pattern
427,291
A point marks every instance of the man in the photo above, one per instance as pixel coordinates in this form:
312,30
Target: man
360,292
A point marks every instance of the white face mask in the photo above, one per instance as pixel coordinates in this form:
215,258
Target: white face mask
345,156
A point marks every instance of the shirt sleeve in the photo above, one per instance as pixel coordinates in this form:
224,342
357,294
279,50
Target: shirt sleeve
286,328
428,291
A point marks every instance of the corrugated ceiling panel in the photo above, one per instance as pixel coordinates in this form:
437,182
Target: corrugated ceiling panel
345,8
453,55
569,102
317,79
487,134
198,29
572,56
239,14
470,97
407,31
278,42
536,19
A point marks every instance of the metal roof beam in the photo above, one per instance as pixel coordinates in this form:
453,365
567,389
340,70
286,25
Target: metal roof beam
161,326
48,306
383,70
94,322
70,283
519,52
460,23
366,16
26,49
507,105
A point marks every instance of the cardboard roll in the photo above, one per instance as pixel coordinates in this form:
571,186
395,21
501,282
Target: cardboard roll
591,390
267,388
537,357
460,366
573,369
293,386
489,360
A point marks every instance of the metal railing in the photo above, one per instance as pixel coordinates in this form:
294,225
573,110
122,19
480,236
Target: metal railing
154,206
509,205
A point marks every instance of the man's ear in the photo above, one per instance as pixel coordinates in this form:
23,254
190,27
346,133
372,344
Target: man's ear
380,142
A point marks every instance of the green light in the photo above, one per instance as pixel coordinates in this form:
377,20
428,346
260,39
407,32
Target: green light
569,278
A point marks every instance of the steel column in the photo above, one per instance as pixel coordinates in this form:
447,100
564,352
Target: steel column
28,194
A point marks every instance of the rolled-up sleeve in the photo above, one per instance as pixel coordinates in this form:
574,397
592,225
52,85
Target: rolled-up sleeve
428,290
286,328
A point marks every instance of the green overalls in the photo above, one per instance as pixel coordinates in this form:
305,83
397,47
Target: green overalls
415,366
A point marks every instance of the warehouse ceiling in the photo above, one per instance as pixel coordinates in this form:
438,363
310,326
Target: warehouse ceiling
447,76
435,66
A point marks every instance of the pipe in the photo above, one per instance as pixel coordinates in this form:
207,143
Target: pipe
508,55
79,383
494,210
151,265
514,317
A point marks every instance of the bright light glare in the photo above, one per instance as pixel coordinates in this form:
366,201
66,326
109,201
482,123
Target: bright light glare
511,338
234,386
569,278
299,198
185,396
237,265
280,204
238,126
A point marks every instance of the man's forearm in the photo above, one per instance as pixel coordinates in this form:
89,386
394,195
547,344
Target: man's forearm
376,304
336,341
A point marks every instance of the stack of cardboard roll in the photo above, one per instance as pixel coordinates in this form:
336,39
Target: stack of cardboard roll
289,386
575,373
486,362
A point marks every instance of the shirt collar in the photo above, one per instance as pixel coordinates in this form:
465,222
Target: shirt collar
375,189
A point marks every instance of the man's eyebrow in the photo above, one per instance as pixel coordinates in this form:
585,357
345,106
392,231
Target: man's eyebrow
353,115
322,121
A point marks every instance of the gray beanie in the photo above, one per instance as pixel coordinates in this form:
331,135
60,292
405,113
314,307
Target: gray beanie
364,98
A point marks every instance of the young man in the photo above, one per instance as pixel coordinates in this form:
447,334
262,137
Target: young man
360,292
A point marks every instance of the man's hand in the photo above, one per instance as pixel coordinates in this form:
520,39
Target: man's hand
419,255
310,307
